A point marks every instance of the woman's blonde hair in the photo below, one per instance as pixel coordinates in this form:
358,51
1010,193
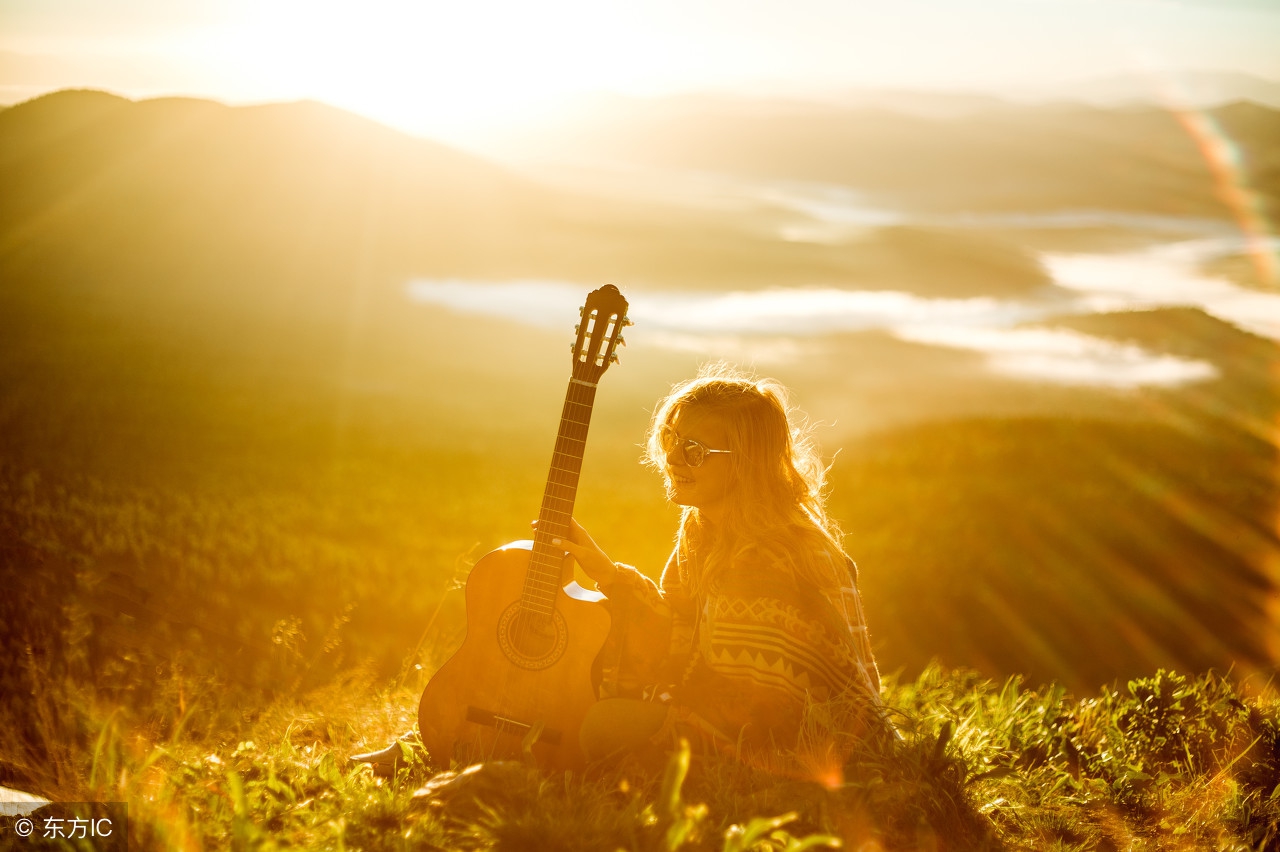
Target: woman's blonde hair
777,513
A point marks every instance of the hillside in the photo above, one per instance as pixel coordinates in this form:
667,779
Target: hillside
205,340
205,255
243,475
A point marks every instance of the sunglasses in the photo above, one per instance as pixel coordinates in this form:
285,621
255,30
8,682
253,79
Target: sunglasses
691,453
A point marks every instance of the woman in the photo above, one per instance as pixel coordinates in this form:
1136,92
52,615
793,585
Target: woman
757,617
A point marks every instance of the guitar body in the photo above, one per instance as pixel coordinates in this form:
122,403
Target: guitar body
515,678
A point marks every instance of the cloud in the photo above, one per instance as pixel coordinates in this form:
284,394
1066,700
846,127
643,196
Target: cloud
781,325
1065,357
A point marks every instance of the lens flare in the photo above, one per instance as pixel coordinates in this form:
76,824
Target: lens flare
1223,157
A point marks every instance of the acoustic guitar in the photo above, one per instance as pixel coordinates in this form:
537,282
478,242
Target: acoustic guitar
519,686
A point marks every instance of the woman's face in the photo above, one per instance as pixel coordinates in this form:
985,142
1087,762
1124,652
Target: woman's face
706,487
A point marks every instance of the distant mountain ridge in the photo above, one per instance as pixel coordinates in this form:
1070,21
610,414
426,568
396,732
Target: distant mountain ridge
1196,89
286,192
1039,157
188,168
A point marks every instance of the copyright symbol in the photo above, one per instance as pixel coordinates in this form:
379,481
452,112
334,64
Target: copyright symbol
24,827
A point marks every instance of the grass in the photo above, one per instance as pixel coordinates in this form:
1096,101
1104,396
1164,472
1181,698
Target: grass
224,695
1163,762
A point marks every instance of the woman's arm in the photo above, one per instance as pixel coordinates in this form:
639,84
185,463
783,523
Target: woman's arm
619,581
643,614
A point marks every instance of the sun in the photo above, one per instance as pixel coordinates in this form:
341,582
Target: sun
433,67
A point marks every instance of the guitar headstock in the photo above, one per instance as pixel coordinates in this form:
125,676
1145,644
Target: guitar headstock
599,334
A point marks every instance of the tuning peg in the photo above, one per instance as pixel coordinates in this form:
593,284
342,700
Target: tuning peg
622,341
626,322
577,328
573,347
613,358
582,310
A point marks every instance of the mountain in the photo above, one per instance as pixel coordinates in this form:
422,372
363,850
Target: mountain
1195,89
193,186
1035,158
304,192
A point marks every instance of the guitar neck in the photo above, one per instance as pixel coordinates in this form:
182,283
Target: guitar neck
542,580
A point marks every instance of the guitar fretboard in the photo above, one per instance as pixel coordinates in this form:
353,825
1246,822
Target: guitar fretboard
542,580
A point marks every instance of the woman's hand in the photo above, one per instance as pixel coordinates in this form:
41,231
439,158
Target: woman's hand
594,562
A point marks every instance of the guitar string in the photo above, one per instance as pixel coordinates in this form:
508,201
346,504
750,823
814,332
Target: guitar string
513,702
542,577
544,574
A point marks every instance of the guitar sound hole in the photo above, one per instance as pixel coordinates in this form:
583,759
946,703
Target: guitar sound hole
529,640
533,636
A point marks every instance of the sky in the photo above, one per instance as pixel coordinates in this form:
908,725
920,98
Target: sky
435,67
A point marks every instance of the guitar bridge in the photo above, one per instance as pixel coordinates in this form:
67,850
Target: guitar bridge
507,725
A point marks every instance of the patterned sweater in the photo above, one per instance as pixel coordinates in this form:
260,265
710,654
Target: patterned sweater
741,662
